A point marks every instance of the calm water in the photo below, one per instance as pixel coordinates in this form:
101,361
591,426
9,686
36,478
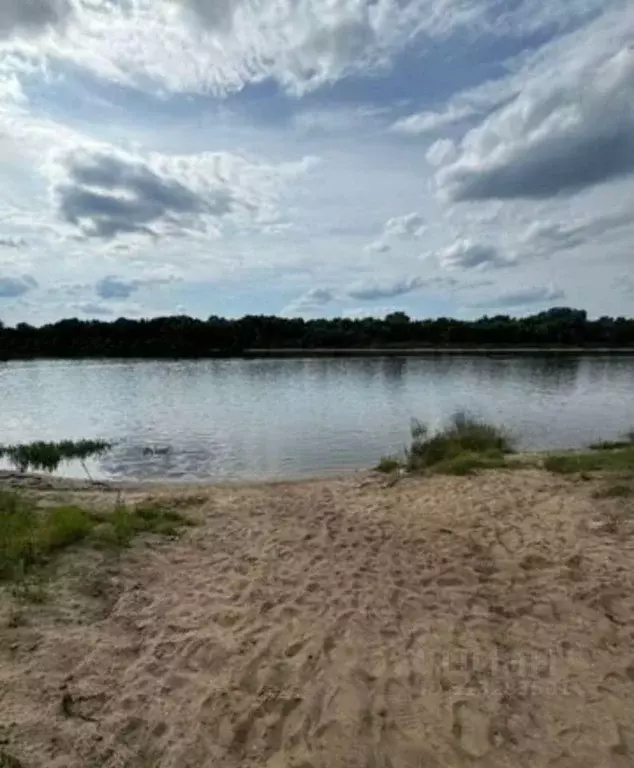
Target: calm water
234,419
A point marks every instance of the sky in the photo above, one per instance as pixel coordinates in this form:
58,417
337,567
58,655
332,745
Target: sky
315,158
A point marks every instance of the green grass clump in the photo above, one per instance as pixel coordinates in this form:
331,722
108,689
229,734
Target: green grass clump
469,463
609,445
30,536
42,456
612,445
124,523
389,464
618,460
460,447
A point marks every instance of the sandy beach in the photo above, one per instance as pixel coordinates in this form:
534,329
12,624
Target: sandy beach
343,623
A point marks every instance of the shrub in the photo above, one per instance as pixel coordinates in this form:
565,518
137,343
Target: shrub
463,436
389,464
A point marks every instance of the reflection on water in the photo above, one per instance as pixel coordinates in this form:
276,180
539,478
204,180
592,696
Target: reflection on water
233,419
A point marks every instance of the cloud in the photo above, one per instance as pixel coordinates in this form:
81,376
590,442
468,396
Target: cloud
378,246
304,45
31,16
466,254
560,236
386,290
408,225
338,119
359,313
311,301
431,122
561,135
105,192
13,287
220,46
12,242
109,194
95,310
441,152
111,287
522,298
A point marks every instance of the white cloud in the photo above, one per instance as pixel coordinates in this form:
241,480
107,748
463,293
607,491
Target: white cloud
219,46
95,309
565,133
386,289
359,313
466,254
378,246
408,225
432,122
441,152
309,302
113,287
105,192
525,297
565,235
340,119
12,242
29,17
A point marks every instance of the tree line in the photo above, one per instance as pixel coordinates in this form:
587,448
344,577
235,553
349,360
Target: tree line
181,336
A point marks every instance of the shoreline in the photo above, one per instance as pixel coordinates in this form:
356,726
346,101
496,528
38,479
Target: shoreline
58,482
356,352
42,481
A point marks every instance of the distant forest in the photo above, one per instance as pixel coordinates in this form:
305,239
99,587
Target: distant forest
181,336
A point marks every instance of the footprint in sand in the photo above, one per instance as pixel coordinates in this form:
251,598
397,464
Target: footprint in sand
471,728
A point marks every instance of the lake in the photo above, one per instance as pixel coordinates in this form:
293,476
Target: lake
217,420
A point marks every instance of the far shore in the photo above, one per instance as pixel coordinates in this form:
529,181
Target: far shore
354,352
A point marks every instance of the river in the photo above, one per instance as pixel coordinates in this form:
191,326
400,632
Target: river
218,420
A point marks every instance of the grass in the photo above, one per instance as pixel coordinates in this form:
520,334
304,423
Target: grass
465,445
469,463
30,537
613,460
612,445
43,456
389,464
609,445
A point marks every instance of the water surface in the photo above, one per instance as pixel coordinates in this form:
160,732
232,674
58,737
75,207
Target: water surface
217,420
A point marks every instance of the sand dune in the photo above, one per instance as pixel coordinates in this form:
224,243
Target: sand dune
483,621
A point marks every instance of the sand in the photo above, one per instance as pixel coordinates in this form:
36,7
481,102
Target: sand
485,621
